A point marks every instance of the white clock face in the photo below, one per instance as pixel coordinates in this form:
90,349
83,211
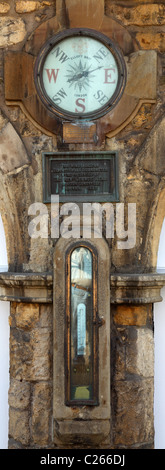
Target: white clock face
79,75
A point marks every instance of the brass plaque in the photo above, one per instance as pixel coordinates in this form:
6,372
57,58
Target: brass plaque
79,133
80,177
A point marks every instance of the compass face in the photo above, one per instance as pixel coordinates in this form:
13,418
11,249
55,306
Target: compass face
80,75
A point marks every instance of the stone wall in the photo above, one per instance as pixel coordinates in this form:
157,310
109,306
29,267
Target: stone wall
30,395
141,175
132,370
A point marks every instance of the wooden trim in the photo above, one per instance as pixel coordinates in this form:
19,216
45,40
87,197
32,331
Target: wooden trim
130,118
28,115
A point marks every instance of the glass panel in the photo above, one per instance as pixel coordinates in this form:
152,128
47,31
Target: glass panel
81,325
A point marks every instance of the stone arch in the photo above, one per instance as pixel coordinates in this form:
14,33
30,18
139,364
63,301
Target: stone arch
159,331
156,226
4,348
3,248
13,160
151,164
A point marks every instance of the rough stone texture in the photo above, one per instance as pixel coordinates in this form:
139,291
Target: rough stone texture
12,151
149,160
19,394
3,121
12,31
20,354
140,353
30,6
40,366
131,315
30,354
130,3
143,15
30,394
151,41
134,413
41,409
4,7
19,427
26,315
132,363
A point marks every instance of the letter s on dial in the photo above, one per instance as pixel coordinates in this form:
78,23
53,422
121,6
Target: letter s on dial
80,74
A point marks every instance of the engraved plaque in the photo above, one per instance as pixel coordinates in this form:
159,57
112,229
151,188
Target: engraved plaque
82,133
80,177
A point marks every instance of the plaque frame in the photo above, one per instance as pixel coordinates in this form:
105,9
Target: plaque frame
112,157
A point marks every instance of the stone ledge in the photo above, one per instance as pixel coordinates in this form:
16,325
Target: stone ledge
26,287
125,288
89,432
136,288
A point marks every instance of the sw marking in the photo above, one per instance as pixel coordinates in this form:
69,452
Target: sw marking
50,460
58,97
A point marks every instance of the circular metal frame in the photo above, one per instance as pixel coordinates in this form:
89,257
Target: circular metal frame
38,76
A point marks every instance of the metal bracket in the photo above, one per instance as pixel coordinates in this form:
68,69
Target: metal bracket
99,321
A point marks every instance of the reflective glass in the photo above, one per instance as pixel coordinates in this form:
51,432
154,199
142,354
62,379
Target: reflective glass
81,325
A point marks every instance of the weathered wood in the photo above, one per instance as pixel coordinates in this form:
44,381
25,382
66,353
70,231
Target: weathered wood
80,13
13,76
40,114
44,31
19,70
84,13
119,35
18,75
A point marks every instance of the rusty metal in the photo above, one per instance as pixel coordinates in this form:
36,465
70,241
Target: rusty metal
81,176
99,321
79,132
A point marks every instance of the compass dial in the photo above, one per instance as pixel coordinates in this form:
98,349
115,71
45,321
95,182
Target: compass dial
80,76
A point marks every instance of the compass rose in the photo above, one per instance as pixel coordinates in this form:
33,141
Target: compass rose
79,76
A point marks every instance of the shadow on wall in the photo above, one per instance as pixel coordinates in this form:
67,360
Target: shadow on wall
4,349
3,251
159,334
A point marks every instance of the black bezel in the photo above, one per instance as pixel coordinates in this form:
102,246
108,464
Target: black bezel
39,64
